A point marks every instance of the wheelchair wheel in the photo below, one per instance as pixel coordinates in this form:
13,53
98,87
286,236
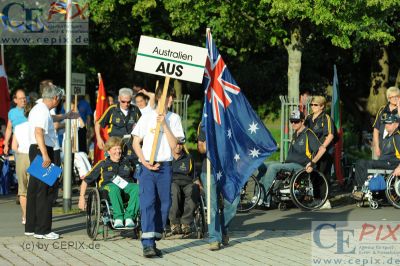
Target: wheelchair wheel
200,225
393,190
249,195
309,191
93,214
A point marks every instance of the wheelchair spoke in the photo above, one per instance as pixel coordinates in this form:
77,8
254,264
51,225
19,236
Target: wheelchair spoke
249,195
393,191
309,191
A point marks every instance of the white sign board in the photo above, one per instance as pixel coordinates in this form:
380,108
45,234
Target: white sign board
173,59
78,83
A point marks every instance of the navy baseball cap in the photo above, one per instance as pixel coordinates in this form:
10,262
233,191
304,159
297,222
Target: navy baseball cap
391,118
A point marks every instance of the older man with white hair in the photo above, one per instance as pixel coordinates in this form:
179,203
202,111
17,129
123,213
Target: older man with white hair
43,139
120,119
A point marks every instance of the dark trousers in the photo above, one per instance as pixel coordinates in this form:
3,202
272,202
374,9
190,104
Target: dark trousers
39,199
325,165
155,201
362,167
56,186
185,196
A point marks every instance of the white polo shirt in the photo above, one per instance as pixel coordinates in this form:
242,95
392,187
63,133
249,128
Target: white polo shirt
145,129
40,117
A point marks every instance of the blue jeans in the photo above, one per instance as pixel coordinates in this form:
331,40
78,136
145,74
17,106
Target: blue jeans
219,223
272,169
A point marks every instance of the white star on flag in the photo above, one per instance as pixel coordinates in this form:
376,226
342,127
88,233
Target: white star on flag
237,157
219,175
205,115
253,127
229,134
254,152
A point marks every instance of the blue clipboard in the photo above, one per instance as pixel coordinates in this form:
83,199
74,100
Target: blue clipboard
47,175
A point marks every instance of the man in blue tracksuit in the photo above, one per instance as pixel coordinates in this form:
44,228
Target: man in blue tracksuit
155,180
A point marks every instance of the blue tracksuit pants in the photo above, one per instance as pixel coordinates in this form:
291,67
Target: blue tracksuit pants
155,201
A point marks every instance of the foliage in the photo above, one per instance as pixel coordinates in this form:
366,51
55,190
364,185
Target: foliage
251,36
195,109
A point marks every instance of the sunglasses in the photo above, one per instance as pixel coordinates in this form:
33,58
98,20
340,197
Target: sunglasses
314,104
294,121
125,101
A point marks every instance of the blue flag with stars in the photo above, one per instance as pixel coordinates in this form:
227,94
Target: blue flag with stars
237,140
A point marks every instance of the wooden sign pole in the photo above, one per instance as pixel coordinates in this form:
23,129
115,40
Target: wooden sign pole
160,110
74,135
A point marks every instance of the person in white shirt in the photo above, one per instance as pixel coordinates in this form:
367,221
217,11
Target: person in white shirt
155,180
43,139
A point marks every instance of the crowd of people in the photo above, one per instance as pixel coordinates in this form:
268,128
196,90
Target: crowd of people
168,189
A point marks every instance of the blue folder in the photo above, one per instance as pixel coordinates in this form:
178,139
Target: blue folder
47,175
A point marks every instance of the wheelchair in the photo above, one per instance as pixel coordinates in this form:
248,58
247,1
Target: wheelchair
393,190
199,224
376,198
307,191
250,195
99,216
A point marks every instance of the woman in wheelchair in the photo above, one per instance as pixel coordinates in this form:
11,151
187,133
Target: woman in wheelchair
304,144
115,174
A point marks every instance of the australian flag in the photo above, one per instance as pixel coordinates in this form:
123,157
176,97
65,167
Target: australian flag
237,140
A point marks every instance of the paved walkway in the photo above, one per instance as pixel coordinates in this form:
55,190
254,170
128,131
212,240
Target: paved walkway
260,237
251,248
258,247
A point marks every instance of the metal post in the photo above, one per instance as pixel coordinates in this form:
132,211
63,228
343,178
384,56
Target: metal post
67,147
281,153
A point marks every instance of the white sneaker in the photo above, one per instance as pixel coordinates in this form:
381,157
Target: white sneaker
129,223
118,223
49,236
29,233
326,206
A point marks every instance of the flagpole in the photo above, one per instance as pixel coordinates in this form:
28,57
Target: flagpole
208,191
67,147
160,110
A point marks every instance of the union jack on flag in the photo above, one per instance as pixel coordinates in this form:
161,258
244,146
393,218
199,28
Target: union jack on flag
236,138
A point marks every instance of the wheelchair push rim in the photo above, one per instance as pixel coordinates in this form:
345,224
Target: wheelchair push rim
249,195
393,191
93,214
309,191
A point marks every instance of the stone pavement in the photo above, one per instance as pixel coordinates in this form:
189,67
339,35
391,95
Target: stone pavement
260,237
253,248
247,246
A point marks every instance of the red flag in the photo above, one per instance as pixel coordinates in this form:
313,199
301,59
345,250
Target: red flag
4,93
101,107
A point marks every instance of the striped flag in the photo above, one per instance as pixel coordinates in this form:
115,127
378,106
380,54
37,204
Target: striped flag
336,115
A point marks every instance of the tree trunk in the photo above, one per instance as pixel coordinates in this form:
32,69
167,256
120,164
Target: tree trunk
379,81
397,84
294,50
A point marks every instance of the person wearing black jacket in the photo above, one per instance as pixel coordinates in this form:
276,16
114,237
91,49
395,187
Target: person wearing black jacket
120,119
184,190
